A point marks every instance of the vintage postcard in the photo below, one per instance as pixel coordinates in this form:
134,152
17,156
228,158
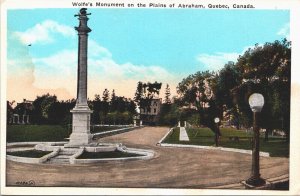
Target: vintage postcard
150,97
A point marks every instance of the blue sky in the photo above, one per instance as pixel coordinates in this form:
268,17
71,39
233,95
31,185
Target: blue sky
128,45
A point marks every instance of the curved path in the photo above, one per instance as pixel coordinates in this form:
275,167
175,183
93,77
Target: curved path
170,168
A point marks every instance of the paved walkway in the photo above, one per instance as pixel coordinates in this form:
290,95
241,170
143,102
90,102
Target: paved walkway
183,136
170,168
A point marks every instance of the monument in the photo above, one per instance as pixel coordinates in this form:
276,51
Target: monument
81,137
81,112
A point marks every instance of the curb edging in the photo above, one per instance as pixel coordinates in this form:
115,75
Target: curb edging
262,154
160,143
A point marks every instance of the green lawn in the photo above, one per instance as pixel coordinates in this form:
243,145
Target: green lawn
102,155
30,133
205,137
29,153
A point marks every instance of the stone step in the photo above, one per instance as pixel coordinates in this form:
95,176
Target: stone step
63,157
66,152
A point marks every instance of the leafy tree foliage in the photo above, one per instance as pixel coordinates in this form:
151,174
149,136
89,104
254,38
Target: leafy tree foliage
119,110
145,93
262,69
196,92
41,107
105,102
48,110
169,114
167,95
267,69
59,112
105,95
139,93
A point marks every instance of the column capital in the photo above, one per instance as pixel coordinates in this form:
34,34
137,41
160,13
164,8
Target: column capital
82,17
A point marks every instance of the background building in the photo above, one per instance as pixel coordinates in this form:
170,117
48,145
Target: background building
149,114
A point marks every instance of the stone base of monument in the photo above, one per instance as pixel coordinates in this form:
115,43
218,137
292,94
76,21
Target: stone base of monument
62,153
81,135
80,139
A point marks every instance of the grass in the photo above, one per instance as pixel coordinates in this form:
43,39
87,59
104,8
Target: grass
30,133
277,147
231,132
29,153
102,155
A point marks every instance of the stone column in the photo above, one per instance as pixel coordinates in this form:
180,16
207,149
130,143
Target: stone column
185,124
81,112
178,124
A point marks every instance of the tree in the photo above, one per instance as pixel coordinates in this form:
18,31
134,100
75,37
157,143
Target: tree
111,112
105,103
267,69
57,112
41,107
101,117
130,106
139,93
97,97
105,95
153,88
169,114
48,110
113,101
196,91
167,95
165,115
144,95
97,108
113,95
227,79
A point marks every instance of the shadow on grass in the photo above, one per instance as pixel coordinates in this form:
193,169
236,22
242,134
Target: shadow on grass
102,155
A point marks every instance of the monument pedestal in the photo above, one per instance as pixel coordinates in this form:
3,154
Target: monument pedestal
81,134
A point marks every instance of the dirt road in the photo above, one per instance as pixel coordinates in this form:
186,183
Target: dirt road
170,168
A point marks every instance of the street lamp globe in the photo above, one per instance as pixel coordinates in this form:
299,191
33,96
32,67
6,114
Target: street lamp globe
256,102
217,120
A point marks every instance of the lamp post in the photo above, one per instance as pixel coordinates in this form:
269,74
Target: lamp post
217,120
256,102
